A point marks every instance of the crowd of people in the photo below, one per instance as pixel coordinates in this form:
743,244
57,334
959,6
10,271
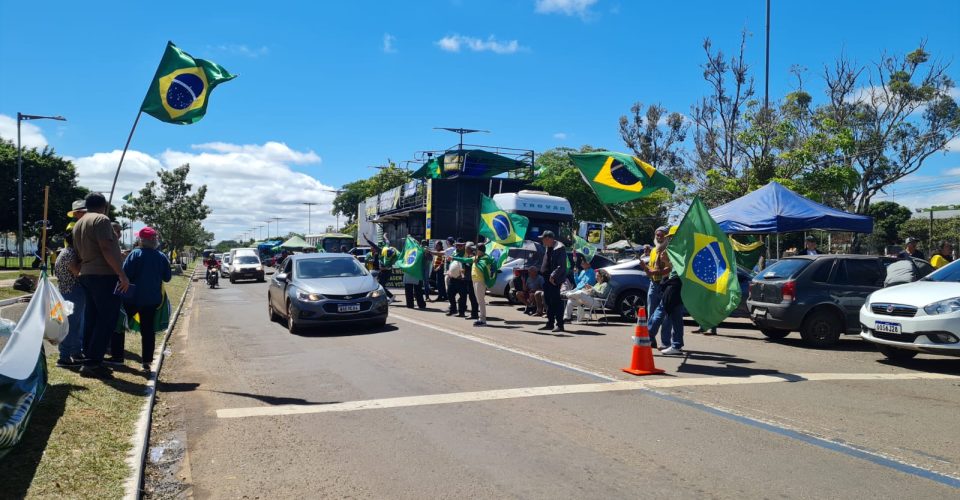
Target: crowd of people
106,284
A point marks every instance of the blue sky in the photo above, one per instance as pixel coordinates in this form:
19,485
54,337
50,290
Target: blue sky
343,85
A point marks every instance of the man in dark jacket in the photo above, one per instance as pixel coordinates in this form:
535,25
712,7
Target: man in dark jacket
553,268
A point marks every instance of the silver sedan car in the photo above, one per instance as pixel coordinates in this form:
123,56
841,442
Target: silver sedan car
323,289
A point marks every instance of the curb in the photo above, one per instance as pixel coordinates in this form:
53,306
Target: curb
14,300
141,436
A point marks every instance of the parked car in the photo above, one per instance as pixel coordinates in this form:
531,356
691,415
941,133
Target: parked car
923,316
225,266
246,266
360,253
820,296
628,289
325,288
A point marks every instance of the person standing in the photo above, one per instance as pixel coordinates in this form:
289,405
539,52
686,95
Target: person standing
436,272
553,267
943,256
672,308
466,285
482,274
912,251
147,268
427,263
656,269
810,246
455,278
101,273
67,269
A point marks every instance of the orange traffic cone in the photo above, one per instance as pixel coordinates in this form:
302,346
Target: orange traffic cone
642,361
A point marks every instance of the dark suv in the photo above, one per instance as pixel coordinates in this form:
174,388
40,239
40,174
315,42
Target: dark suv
818,295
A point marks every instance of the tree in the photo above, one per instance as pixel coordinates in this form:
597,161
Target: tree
888,217
655,136
173,208
226,245
352,193
40,168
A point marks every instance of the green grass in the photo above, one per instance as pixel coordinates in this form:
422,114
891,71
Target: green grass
78,439
9,293
11,275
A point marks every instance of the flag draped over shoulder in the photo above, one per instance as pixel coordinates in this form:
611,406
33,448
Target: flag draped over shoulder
411,262
584,248
703,258
618,177
501,227
498,253
181,87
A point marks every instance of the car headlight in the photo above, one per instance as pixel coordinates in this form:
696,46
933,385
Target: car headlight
376,293
943,307
310,297
259,268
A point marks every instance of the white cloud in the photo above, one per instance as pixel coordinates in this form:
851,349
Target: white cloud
389,42
566,7
560,136
453,43
246,183
30,135
953,145
239,49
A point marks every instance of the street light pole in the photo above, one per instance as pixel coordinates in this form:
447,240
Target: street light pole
21,117
278,219
309,204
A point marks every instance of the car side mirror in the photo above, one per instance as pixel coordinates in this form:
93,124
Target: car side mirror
375,273
281,276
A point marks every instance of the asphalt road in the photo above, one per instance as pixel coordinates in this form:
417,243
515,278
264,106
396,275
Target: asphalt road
431,407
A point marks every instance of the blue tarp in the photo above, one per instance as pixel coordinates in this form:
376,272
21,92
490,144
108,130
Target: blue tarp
776,209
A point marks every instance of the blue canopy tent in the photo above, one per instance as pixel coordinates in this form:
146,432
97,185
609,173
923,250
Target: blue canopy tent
776,209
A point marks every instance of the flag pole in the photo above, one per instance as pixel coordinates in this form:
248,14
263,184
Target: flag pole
122,155
43,232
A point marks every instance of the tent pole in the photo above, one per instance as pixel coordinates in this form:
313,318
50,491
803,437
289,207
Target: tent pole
778,246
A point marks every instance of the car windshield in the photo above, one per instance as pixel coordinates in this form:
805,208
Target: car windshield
247,259
336,267
949,274
783,269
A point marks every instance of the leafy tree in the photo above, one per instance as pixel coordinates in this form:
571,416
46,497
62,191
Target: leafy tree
40,168
173,208
226,245
352,193
943,229
888,217
655,136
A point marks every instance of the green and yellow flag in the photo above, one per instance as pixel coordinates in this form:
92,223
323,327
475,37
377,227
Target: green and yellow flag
429,170
411,262
584,248
703,258
498,253
181,87
618,177
501,227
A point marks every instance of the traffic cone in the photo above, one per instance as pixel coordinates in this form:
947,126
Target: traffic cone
642,361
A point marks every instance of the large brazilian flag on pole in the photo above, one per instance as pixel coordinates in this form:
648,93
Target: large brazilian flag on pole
181,87
411,262
503,228
618,177
703,258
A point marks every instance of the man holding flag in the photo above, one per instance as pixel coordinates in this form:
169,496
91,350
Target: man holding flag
411,263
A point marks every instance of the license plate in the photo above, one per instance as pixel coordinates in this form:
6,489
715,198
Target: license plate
348,308
886,327
760,312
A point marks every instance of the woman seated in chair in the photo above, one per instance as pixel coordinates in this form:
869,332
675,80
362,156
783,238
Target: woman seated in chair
590,295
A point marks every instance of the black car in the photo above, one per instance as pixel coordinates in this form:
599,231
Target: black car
818,295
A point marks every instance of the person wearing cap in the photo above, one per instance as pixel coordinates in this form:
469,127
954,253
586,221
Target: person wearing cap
911,251
553,267
101,274
810,246
147,269
943,256
77,210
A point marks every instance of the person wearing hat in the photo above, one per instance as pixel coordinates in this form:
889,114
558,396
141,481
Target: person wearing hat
553,267
147,269
911,251
657,268
810,246
101,274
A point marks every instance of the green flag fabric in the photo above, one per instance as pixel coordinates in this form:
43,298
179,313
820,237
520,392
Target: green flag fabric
498,253
429,170
411,262
748,250
703,258
499,226
584,248
181,88
128,196
618,177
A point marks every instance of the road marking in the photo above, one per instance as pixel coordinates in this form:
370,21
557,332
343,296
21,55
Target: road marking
558,390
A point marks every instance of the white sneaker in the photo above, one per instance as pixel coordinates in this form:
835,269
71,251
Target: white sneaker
671,350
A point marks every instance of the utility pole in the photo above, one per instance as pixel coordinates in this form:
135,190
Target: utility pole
21,117
278,219
309,204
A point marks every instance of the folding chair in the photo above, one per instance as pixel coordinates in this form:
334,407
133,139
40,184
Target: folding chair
599,303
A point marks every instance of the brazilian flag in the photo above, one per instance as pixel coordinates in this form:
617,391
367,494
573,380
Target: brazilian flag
584,248
618,177
499,226
411,262
498,253
703,258
181,87
429,170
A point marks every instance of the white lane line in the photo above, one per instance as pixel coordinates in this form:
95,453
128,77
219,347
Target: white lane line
503,347
557,390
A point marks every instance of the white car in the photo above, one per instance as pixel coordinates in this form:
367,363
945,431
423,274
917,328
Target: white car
923,316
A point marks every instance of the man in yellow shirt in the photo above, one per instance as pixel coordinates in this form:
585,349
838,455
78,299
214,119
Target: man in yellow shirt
943,256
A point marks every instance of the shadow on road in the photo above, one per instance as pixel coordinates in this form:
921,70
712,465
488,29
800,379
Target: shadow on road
726,365
169,387
19,467
945,366
330,331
